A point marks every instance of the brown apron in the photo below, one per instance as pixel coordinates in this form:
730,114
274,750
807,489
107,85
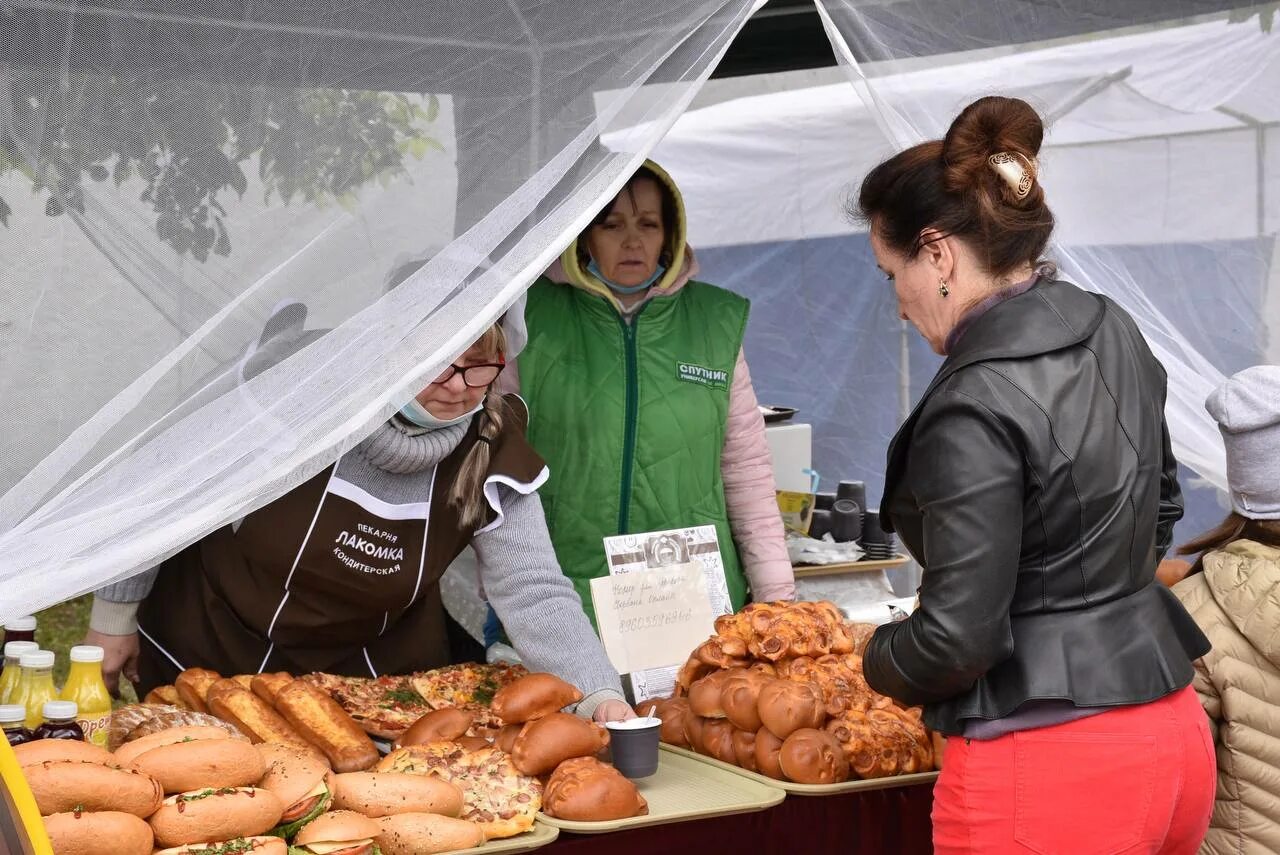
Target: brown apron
326,578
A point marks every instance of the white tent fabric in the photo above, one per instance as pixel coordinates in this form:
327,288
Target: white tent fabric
171,175
179,182
1161,162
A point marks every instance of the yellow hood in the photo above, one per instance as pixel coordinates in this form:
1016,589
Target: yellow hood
676,273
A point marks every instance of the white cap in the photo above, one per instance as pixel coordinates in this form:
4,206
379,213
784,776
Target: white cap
21,624
59,709
14,649
12,713
37,659
86,653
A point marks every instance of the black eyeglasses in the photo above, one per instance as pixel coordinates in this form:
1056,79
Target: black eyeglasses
474,376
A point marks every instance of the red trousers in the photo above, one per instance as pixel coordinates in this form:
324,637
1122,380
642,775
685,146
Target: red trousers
1135,779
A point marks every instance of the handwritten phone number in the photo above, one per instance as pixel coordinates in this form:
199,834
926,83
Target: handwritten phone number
654,621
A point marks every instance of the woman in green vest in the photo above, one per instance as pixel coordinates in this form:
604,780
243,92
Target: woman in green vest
640,399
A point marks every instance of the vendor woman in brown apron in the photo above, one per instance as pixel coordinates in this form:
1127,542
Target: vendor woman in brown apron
342,573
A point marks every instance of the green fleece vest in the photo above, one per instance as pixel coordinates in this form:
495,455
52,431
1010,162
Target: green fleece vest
631,418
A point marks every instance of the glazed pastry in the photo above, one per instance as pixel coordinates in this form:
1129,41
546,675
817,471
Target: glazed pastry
585,790
811,756
786,707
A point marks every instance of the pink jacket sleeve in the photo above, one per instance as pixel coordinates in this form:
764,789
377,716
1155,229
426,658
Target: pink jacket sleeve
750,494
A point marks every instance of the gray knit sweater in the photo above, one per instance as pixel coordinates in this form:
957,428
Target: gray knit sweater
518,567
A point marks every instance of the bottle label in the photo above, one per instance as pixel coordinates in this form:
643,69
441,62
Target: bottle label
96,728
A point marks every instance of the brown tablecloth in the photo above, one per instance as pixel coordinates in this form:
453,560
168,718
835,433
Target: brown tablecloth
878,822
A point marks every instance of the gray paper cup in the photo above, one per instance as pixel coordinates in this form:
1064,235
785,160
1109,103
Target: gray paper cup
634,745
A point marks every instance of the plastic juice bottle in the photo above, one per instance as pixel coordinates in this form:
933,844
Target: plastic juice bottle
86,687
59,721
36,685
13,720
13,651
20,629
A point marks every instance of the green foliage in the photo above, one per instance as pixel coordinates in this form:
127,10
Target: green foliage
189,143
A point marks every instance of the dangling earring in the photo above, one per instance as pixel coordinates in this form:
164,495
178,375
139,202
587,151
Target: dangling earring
942,287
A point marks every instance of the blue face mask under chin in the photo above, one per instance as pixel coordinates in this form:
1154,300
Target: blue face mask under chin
416,414
594,270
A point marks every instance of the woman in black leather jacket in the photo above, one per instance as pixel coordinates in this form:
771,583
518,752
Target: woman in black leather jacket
1035,484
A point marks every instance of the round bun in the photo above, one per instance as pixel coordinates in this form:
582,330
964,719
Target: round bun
585,790
744,746
31,753
543,744
786,707
98,833
533,696
377,794
337,826
768,747
130,751
717,740
705,695
811,756
62,786
447,723
184,766
210,814
740,697
425,833
673,713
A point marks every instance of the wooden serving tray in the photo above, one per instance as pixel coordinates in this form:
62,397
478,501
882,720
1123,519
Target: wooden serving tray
685,789
811,789
803,571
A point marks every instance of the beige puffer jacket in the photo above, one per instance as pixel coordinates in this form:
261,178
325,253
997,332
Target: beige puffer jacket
1236,601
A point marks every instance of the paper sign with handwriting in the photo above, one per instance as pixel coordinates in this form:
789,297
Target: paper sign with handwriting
652,618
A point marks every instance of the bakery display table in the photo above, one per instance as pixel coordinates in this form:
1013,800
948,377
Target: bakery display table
876,822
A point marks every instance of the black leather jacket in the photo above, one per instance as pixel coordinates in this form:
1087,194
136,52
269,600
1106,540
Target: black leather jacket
1035,485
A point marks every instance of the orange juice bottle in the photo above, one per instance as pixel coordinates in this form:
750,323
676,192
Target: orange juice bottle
35,685
13,651
86,687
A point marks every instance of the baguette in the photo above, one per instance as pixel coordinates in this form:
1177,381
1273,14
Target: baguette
320,721
252,715
192,685
68,785
267,686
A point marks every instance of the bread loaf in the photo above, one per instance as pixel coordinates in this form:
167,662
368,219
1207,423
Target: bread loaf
533,696
585,790
189,765
250,714
544,743
320,721
193,685
267,686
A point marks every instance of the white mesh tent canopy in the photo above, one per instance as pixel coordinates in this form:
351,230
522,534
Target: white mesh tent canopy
171,178
1162,164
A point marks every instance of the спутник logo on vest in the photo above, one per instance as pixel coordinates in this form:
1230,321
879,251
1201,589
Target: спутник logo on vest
690,373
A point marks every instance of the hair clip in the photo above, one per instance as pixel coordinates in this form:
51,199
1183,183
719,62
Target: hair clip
1016,171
